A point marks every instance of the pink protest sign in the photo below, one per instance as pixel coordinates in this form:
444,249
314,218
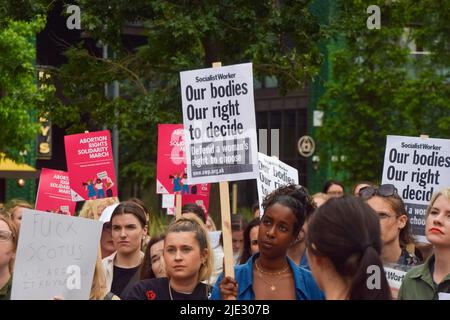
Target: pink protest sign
199,195
54,192
90,165
171,160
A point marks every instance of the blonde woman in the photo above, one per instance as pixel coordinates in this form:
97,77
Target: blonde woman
99,289
431,280
92,209
8,247
15,209
188,261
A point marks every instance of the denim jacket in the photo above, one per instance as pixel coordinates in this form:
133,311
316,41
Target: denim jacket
305,286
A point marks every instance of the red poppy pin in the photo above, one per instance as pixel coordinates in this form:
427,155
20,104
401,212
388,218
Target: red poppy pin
150,294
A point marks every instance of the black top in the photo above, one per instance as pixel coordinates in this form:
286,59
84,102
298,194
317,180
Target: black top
158,289
121,278
408,259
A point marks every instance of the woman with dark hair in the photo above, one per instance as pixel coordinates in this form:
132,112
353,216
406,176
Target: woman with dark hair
431,280
271,274
333,188
195,209
153,264
250,240
344,244
394,223
297,251
128,225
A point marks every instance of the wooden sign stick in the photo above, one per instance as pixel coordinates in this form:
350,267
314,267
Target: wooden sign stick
226,220
178,206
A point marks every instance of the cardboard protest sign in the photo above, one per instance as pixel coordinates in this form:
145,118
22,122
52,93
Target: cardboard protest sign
200,197
168,201
214,238
219,123
418,168
90,165
171,177
273,174
54,192
56,256
171,160
395,274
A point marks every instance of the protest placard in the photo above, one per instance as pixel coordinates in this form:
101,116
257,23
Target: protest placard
395,274
200,197
56,256
171,160
418,168
90,166
273,174
219,123
54,192
168,201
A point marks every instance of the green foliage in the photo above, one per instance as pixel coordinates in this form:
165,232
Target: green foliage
23,10
379,88
19,95
181,35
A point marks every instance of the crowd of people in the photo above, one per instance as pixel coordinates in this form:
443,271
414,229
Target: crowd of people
302,247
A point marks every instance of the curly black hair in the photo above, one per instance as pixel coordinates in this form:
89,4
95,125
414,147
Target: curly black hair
295,197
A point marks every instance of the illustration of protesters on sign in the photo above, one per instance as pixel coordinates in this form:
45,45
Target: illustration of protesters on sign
176,181
108,185
184,185
61,210
89,185
99,187
64,210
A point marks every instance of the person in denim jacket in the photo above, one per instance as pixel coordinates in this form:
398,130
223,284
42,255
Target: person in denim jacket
270,274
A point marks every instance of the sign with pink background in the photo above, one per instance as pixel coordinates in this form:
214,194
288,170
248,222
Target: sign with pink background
90,165
171,161
54,192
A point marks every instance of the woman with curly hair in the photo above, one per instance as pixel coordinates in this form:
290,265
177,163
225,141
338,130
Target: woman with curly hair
271,274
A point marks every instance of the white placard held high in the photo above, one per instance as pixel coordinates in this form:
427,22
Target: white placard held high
219,123
273,174
418,167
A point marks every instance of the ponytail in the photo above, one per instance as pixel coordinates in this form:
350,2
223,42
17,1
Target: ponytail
347,232
366,284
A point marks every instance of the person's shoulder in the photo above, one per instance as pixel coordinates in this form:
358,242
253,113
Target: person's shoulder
307,284
415,271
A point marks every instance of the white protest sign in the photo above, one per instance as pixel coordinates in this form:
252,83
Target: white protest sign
56,256
219,123
273,174
444,296
418,168
394,277
214,238
168,201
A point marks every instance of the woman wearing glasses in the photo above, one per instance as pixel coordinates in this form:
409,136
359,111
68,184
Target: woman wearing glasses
8,246
394,223
431,280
